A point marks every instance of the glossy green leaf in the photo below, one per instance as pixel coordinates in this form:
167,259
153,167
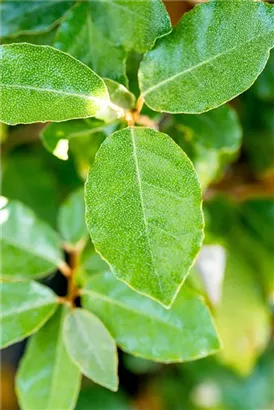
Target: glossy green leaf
264,86
71,220
47,379
144,213
27,17
91,348
80,36
40,83
214,53
25,307
135,25
144,328
211,140
30,247
98,398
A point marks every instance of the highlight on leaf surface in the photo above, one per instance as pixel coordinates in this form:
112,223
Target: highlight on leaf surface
143,209
30,247
40,83
25,307
190,72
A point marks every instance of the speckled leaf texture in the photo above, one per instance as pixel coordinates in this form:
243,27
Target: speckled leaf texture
26,306
40,83
30,247
28,17
143,209
135,25
214,53
92,348
144,328
47,379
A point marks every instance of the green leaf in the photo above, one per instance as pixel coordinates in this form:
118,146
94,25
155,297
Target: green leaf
190,72
211,140
143,212
98,398
25,307
264,86
80,36
30,247
92,348
135,25
27,17
71,220
122,99
144,328
28,178
40,83
47,378
242,317
56,137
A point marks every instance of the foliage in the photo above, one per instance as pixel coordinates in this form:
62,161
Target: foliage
115,127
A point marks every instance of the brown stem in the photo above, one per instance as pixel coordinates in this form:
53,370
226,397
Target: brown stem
72,288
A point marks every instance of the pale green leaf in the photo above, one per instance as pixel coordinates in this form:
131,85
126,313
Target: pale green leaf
28,17
242,317
40,83
211,140
80,36
135,25
47,379
144,211
144,328
71,220
30,247
91,348
214,53
25,307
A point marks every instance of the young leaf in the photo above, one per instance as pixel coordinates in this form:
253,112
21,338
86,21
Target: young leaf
30,247
28,17
47,378
211,140
40,83
92,348
71,219
144,213
94,48
135,25
146,329
26,306
190,72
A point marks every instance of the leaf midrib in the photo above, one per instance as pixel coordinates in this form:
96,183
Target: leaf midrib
139,183
8,313
53,91
129,308
192,68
